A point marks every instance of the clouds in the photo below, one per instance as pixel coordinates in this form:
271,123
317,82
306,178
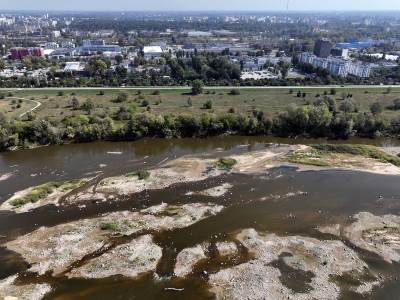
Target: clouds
266,5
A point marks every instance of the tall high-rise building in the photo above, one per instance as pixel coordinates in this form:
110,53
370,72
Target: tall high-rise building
322,48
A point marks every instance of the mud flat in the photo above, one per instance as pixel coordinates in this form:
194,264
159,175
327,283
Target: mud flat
226,248
9,290
6,176
259,161
217,191
259,279
377,234
34,197
139,256
185,169
54,249
188,258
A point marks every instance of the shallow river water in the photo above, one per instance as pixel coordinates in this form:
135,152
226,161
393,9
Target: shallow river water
320,197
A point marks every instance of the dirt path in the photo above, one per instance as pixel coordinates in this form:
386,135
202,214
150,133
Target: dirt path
38,104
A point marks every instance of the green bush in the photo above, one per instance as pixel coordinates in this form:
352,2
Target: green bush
141,174
38,193
234,92
109,226
208,105
226,163
122,97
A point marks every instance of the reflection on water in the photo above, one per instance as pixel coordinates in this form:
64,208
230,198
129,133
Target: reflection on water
327,197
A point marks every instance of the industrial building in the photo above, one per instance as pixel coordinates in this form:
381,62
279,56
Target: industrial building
152,51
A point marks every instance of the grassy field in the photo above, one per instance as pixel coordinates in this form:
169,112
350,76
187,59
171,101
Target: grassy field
271,101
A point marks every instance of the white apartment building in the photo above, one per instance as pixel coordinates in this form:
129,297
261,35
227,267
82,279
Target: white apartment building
337,66
51,45
67,45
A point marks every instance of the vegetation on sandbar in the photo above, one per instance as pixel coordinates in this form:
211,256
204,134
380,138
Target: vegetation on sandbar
42,191
361,150
226,163
141,174
323,155
38,193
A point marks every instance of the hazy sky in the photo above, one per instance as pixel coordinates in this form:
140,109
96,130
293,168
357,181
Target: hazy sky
199,5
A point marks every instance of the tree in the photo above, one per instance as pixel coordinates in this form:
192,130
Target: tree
348,106
75,103
234,92
97,67
119,59
88,106
396,104
122,97
207,105
197,87
285,67
3,119
376,108
328,101
2,65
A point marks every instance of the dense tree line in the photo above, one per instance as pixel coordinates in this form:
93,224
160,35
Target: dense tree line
320,119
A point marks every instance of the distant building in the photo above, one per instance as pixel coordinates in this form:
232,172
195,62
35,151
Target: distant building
337,66
199,34
354,45
19,53
152,51
216,48
62,53
90,43
339,52
51,45
67,45
250,65
322,48
108,50
74,67
56,34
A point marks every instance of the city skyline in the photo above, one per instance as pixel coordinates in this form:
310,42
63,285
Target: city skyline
223,5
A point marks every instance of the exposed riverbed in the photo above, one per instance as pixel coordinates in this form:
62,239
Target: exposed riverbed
194,229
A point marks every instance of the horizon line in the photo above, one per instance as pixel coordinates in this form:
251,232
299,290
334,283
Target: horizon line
198,11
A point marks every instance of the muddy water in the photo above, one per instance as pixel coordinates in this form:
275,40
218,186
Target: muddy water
271,202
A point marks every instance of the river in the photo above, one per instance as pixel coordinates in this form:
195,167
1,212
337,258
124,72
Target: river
327,197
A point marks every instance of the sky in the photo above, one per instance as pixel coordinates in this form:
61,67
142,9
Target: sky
203,5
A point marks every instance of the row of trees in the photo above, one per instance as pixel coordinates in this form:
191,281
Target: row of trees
316,120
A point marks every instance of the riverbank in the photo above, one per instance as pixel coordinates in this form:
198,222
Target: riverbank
67,116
